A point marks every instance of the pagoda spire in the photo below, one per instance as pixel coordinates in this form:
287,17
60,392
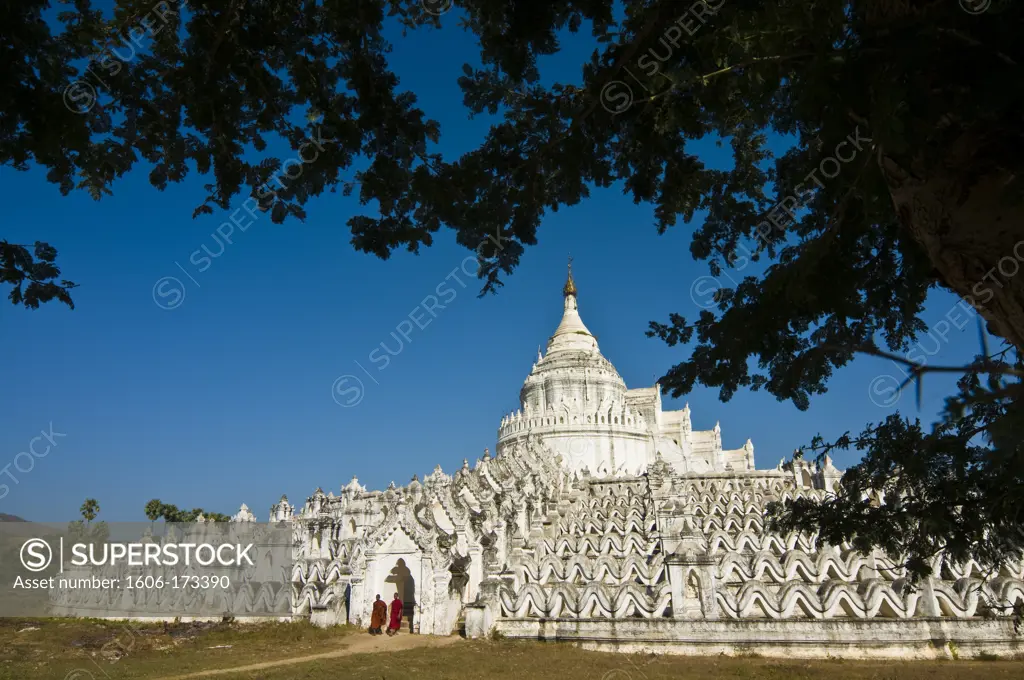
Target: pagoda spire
570,285
571,333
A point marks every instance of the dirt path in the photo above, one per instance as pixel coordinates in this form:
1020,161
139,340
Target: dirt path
363,644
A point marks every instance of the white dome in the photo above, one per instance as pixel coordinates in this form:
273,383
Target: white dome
576,405
573,372
575,402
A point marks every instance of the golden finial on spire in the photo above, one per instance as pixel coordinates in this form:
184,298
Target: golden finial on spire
570,285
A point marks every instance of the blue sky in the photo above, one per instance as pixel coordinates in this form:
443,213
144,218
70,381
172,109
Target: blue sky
227,398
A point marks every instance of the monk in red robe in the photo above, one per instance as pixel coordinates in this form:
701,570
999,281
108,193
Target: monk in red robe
396,616
377,616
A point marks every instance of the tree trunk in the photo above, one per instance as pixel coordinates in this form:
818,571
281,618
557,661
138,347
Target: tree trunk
956,208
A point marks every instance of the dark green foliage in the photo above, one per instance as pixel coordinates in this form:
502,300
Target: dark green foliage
952,493
87,532
18,267
948,495
90,508
170,513
154,510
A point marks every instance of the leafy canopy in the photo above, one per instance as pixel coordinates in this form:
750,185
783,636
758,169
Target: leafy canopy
918,83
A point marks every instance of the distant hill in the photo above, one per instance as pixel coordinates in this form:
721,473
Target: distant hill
4,517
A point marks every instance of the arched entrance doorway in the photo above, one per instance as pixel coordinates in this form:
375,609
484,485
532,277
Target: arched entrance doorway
405,585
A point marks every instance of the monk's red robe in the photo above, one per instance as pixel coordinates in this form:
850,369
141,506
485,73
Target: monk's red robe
396,614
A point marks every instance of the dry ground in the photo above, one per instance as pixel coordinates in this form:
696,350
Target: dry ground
99,650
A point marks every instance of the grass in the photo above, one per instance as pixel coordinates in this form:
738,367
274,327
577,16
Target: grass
116,650
119,651
509,660
514,661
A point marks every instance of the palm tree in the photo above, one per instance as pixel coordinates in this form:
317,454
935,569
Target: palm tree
154,510
90,508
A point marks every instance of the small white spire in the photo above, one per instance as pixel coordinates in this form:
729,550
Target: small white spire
571,334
